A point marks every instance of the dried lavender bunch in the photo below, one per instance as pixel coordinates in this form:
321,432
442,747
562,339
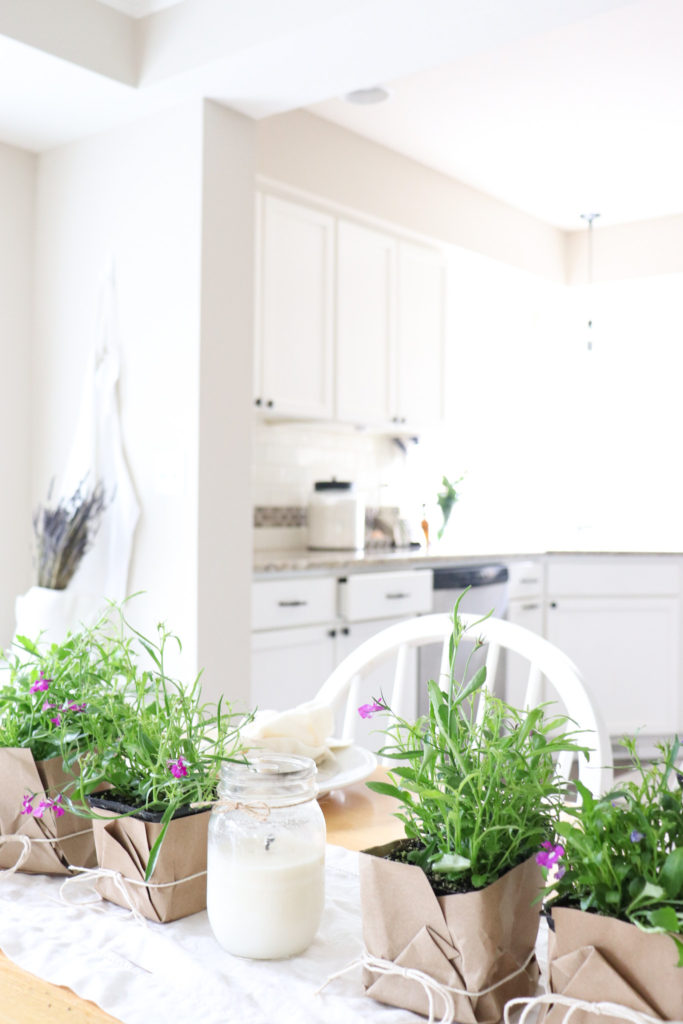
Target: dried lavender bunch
64,534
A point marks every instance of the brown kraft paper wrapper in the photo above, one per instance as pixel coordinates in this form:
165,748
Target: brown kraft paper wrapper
467,941
601,959
123,845
21,776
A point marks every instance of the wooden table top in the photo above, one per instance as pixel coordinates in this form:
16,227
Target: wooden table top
356,818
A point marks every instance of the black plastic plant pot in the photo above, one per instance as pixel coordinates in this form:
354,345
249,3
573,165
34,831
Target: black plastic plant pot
115,806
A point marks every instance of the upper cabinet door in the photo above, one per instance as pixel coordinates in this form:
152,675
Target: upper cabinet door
366,272
294,310
419,362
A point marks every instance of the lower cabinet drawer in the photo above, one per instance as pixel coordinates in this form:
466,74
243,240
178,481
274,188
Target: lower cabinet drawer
278,604
379,595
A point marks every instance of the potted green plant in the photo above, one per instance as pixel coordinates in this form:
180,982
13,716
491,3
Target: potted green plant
450,909
615,894
160,754
51,710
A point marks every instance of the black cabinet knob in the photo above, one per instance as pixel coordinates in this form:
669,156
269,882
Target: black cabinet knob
257,401
332,632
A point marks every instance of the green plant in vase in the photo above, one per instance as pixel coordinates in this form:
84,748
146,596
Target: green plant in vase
51,710
616,889
479,793
160,753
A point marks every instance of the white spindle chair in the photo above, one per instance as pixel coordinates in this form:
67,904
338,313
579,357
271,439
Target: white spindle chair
343,687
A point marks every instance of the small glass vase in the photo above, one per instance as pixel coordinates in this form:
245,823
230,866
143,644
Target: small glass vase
266,853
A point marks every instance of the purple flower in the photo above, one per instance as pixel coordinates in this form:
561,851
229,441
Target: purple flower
636,836
178,768
559,872
368,710
41,683
43,806
56,720
75,707
549,854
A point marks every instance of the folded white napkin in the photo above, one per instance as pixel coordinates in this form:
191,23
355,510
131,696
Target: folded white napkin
301,730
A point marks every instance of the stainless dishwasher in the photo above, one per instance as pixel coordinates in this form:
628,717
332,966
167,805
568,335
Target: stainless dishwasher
488,592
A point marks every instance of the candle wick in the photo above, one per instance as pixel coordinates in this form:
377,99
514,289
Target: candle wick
269,840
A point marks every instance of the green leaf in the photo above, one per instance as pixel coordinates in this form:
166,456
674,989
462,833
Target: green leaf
672,873
27,644
475,683
387,790
665,918
679,947
156,849
450,863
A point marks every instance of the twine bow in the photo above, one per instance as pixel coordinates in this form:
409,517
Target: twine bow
614,1010
430,985
26,844
120,881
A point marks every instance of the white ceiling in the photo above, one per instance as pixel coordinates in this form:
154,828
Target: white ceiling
139,8
558,108
584,118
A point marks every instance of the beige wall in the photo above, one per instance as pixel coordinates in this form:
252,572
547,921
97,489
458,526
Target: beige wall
309,153
224,551
18,404
642,249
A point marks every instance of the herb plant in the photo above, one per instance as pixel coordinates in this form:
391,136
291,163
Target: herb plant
446,500
478,794
161,747
622,854
52,696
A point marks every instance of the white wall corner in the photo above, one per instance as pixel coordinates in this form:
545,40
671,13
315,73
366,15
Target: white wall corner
225,406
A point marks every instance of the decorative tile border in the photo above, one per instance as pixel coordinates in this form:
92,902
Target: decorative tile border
279,515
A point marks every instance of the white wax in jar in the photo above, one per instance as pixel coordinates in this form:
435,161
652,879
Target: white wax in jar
265,903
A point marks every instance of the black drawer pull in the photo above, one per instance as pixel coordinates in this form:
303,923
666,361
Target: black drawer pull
395,597
292,604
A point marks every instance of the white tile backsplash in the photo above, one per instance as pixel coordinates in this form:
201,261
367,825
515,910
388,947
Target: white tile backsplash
289,458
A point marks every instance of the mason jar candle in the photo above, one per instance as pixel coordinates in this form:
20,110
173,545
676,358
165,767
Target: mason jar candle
266,857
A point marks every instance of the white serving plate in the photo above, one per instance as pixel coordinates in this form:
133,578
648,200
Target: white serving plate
346,766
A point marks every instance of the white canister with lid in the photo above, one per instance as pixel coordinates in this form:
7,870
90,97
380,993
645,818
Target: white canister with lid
336,517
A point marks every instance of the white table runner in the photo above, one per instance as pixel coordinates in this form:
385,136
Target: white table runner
177,971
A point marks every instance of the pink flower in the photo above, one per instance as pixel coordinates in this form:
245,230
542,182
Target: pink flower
549,854
368,710
56,720
41,683
74,707
178,768
44,805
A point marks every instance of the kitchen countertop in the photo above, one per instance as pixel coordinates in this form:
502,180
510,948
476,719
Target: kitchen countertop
301,560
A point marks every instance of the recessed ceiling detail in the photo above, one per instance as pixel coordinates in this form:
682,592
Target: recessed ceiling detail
139,8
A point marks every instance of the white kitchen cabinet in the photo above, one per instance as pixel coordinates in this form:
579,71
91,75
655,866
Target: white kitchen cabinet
294,310
350,321
418,366
619,620
376,683
289,666
365,318
304,626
